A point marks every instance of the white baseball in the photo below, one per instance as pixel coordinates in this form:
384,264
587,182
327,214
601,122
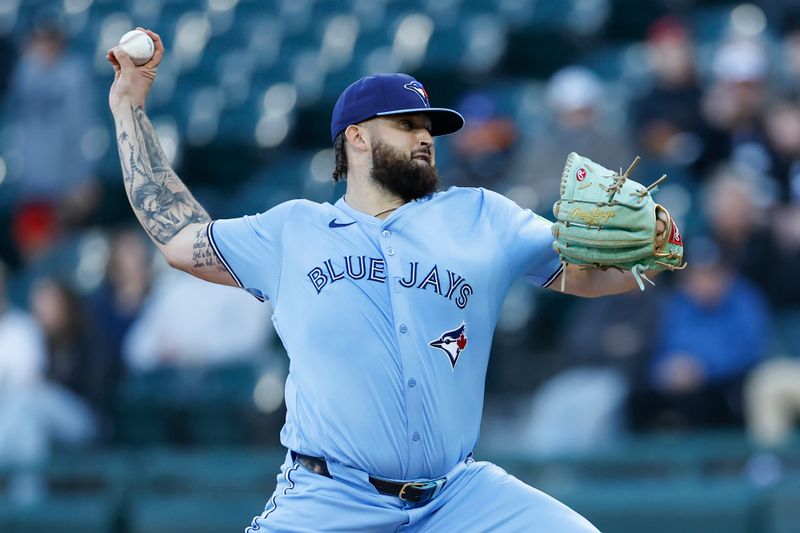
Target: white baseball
138,45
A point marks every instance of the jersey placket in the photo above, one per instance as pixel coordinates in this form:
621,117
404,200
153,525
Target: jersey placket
392,247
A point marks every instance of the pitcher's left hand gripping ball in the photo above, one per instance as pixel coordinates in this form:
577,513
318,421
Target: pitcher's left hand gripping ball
606,220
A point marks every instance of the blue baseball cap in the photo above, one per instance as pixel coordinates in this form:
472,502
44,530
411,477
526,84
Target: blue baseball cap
390,94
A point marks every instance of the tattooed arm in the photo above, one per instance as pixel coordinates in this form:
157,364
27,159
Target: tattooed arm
168,212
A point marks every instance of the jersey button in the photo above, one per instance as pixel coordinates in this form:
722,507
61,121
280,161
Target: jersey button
415,436
403,328
412,383
386,233
390,251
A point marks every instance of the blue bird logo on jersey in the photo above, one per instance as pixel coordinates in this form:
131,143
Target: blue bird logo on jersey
416,87
452,343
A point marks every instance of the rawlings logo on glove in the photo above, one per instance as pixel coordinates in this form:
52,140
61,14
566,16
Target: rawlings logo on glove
606,220
595,216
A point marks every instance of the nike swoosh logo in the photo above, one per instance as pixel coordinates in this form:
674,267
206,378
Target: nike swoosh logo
334,224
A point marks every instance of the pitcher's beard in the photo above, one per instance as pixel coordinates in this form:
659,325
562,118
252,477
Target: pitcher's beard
404,177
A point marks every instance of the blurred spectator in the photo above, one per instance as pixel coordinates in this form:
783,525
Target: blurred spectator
781,246
575,98
22,363
583,408
772,393
614,332
735,206
773,390
482,150
714,328
667,119
780,279
34,412
772,401
118,301
782,123
187,322
72,349
23,355
735,103
759,242
52,109
193,354
578,411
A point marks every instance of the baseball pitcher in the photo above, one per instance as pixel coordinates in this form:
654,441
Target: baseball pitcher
386,302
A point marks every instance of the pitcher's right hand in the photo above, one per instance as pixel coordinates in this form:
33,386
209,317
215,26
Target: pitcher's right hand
132,83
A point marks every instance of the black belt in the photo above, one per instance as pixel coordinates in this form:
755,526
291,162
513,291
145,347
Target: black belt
409,491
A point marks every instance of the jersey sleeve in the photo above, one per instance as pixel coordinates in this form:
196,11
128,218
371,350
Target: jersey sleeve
526,238
251,248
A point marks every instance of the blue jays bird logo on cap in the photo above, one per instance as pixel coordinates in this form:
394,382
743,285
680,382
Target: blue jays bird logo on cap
452,343
417,88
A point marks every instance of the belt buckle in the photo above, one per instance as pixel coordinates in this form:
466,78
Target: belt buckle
413,485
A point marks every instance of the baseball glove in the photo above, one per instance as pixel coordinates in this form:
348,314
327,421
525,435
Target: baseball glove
606,220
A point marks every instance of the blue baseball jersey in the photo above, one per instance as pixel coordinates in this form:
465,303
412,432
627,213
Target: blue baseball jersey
388,323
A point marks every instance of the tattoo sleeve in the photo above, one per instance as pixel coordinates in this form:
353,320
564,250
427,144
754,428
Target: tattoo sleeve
162,203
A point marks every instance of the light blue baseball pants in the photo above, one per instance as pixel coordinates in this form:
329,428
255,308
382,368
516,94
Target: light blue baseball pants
477,497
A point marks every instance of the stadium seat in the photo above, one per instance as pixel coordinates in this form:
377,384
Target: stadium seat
191,514
207,471
445,49
782,507
238,124
629,19
701,506
65,514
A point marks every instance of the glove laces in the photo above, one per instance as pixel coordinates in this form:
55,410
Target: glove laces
638,272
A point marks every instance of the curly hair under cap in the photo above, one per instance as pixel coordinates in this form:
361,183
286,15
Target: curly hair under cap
340,158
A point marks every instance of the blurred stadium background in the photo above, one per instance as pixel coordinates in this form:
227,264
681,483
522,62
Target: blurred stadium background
135,399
